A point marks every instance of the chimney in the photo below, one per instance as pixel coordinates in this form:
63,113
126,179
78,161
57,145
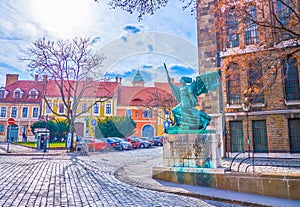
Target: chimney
172,80
45,77
120,80
36,77
117,79
89,79
11,78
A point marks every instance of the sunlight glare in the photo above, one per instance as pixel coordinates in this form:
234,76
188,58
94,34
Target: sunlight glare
61,16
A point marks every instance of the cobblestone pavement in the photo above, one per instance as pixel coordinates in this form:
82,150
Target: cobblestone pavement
82,180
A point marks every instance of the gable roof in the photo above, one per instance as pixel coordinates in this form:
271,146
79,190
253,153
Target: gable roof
92,88
26,86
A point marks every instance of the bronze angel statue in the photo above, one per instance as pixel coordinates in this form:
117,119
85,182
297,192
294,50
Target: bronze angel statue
186,115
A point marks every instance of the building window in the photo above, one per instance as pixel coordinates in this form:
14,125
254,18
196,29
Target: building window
233,84
48,108
232,29
3,93
83,108
148,114
35,112
96,108
18,93
14,111
259,129
24,112
108,109
61,108
236,136
251,27
285,14
137,114
33,93
291,83
128,112
1,128
294,135
256,83
3,111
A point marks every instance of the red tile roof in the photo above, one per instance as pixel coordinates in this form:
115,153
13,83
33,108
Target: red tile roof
25,86
92,89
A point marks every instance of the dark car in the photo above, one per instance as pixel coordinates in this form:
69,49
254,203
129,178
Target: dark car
113,144
158,141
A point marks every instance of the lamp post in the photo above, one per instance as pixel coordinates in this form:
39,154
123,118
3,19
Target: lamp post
246,109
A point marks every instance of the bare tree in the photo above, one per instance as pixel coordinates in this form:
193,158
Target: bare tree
146,7
69,65
259,35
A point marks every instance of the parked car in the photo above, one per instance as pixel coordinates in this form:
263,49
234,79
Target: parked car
158,141
149,139
142,143
124,144
91,144
112,143
132,141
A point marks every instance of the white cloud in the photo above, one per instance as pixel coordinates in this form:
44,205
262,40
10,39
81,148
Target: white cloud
173,30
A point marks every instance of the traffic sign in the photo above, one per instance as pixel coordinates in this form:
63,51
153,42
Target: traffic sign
167,124
94,122
69,140
11,121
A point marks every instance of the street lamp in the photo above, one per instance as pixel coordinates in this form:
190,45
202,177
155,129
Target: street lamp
246,108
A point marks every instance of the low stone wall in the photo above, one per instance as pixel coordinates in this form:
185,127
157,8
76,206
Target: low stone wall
276,185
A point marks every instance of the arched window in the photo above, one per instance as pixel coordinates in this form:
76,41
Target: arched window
233,84
255,82
18,93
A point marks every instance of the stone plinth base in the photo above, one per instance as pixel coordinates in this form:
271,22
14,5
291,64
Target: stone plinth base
192,150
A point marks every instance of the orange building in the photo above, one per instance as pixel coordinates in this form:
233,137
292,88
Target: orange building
146,105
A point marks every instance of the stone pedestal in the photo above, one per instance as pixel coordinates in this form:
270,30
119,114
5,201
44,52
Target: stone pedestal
192,150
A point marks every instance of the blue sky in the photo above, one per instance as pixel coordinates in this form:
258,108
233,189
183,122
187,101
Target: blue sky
169,36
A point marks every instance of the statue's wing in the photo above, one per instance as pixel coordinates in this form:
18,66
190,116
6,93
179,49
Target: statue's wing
207,82
198,86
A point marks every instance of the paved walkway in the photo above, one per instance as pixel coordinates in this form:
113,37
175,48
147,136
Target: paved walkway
141,176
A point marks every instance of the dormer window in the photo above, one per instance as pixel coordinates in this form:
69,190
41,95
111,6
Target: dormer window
18,93
33,93
3,93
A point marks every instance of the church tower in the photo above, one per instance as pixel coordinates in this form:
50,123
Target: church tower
138,80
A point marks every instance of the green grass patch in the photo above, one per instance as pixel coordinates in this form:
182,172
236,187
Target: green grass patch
53,145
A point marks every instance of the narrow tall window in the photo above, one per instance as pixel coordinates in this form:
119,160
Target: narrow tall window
233,84
96,108
128,112
2,93
251,26
285,13
108,109
14,111
292,89
61,108
83,108
35,112
255,82
24,112
48,108
3,111
232,29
